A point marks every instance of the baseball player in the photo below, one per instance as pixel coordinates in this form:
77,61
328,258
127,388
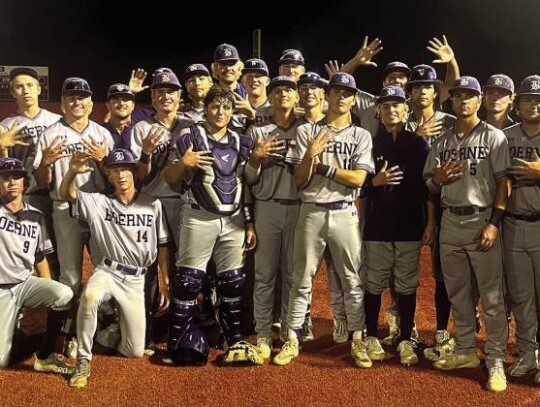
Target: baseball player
211,164
120,104
19,136
331,161
198,81
522,225
423,89
292,63
468,166
126,227
276,209
498,100
255,78
24,236
396,202
74,132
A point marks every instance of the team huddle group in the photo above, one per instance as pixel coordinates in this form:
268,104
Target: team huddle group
294,168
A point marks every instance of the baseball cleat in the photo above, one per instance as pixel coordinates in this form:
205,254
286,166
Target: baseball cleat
458,361
373,348
407,355
359,354
81,375
306,333
264,346
522,367
55,363
340,333
496,379
444,346
393,323
243,352
289,351
71,348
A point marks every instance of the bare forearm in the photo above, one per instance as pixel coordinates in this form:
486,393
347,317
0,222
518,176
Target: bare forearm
42,268
504,188
452,73
163,266
43,176
303,172
350,178
67,190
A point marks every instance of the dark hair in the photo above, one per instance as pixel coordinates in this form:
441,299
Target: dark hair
216,92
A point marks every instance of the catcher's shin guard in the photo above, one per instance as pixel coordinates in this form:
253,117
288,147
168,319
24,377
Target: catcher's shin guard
230,284
186,285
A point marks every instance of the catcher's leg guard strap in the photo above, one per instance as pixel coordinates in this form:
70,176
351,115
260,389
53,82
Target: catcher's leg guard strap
230,287
186,285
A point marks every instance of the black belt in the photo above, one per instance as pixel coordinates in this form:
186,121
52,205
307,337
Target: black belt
285,201
335,205
129,270
465,210
527,218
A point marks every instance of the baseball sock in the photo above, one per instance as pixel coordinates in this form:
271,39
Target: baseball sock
55,321
372,304
407,308
442,306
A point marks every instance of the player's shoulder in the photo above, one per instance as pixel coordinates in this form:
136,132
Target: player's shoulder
490,131
145,199
30,214
98,128
513,130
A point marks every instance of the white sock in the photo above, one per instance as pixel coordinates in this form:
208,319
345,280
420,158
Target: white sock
292,334
357,335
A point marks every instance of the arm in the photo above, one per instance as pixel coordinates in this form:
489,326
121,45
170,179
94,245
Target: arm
363,56
50,155
264,148
304,171
249,219
429,231
350,178
163,280
187,165
138,76
42,268
77,165
11,137
445,55
153,140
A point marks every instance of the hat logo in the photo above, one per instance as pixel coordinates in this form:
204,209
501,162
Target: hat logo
421,71
165,78
535,85
498,81
464,82
391,91
192,67
344,79
227,52
119,156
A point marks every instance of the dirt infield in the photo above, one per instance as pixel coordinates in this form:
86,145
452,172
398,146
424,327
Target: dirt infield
323,375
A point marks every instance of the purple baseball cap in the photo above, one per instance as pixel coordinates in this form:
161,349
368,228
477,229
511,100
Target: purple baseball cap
530,86
395,93
281,80
195,69
255,65
500,81
165,78
23,70
75,85
312,78
292,56
120,156
119,89
226,52
396,66
343,80
13,166
469,83
422,74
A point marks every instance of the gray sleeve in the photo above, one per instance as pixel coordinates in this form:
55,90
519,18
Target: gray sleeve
363,158
162,230
296,154
136,140
84,206
44,245
500,154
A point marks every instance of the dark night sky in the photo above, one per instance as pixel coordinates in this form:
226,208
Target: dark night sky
103,40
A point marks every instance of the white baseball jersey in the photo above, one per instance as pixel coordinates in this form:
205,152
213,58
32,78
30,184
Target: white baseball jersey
90,181
127,234
156,185
195,115
350,150
33,127
525,198
277,176
485,158
22,236
264,112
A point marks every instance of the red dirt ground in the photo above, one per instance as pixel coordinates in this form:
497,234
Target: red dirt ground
323,375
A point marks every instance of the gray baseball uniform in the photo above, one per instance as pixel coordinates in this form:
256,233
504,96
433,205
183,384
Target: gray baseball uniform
466,210
328,216
127,237
23,235
276,212
521,235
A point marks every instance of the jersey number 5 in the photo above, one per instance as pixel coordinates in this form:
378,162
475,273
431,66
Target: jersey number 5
142,236
472,168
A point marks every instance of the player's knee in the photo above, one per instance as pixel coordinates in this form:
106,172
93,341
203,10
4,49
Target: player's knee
64,297
92,298
187,283
231,283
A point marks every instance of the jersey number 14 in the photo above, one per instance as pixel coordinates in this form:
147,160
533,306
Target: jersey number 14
142,236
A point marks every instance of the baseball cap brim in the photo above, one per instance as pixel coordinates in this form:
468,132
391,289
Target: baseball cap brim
22,173
23,71
486,87
70,92
117,94
453,91
351,88
437,83
254,70
390,98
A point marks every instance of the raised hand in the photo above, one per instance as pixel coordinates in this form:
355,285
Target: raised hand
332,67
448,172
242,105
368,51
94,149
270,147
429,128
56,150
388,176
441,49
526,170
153,139
138,76
11,137
197,159
319,143
80,162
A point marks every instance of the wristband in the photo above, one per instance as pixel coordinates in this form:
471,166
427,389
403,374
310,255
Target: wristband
249,213
145,158
497,214
325,170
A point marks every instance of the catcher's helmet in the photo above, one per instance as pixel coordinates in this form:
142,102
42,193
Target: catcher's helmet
192,349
